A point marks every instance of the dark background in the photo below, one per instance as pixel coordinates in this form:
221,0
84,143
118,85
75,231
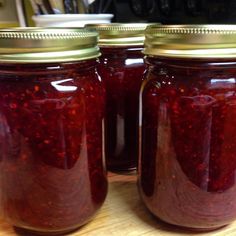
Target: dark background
174,11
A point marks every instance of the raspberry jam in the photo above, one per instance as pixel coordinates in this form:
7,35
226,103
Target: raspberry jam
122,70
188,151
52,175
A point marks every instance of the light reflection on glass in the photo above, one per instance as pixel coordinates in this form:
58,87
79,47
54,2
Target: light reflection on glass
230,80
59,86
132,61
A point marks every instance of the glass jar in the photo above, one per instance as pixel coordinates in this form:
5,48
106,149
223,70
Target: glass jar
188,118
52,175
121,68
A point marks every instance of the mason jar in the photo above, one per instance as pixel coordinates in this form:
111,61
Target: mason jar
188,119
52,175
121,68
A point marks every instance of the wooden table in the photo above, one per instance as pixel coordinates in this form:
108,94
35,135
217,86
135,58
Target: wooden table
123,214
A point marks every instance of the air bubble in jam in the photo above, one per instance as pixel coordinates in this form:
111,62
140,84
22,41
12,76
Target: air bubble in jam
52,177
188,153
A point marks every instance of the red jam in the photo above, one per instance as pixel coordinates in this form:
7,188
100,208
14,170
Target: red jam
122,70
52,176
188,157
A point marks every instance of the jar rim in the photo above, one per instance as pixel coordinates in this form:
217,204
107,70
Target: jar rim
46,45
191,41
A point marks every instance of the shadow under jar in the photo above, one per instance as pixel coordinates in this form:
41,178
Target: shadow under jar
188,116
52,176
121,68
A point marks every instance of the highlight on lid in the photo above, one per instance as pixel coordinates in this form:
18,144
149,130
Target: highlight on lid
187,41
41,45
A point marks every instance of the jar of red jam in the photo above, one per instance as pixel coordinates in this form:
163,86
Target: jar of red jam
121,68
52,176
188,118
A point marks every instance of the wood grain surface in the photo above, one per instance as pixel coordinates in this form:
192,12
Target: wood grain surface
123,214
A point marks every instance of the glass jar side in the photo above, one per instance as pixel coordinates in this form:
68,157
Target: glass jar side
121,69
188,151
52,174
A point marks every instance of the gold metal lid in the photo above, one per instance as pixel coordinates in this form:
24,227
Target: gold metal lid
46,45
116,34
191,41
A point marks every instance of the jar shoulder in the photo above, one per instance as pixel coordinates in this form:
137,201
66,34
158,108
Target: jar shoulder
190,79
